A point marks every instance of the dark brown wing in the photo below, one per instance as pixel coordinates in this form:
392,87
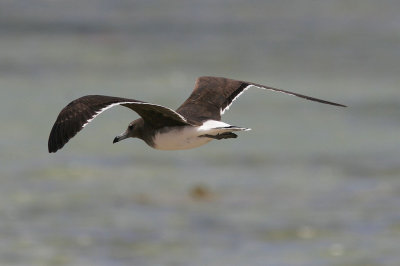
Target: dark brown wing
77,114
212,96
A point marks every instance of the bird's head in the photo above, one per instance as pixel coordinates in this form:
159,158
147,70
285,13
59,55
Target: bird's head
134,130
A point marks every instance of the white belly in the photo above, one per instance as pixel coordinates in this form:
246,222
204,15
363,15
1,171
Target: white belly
180,139
183,138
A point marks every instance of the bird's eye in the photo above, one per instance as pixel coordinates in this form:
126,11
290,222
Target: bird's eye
130,127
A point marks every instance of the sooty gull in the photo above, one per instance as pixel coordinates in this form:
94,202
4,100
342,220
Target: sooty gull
196,122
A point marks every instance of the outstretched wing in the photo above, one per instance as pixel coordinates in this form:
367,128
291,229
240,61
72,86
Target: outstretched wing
77,114
212,96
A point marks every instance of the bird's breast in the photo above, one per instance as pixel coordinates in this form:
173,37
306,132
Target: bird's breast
179,138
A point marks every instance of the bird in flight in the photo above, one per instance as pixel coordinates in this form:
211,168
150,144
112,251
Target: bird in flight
196,122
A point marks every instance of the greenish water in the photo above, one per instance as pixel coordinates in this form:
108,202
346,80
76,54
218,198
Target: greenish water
310,184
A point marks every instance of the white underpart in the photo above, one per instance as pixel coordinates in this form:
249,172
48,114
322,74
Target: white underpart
120,103
188,137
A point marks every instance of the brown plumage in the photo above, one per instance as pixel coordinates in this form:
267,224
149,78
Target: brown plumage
211,97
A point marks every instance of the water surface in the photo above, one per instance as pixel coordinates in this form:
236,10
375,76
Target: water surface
311,184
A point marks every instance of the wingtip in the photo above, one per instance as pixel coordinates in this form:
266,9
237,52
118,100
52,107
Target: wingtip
324,101
340,105
52,149
336,104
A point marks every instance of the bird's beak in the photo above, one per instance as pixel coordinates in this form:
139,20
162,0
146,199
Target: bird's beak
120,137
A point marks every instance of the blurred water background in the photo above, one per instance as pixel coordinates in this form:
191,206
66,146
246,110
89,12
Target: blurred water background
311,184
